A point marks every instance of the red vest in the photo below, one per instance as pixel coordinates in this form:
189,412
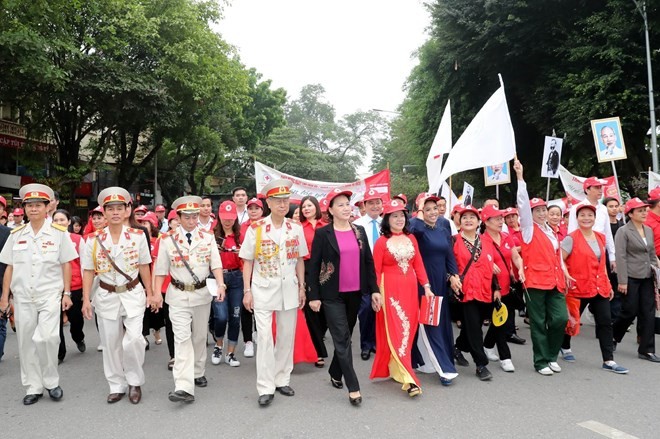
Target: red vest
542,263
589,273
477,284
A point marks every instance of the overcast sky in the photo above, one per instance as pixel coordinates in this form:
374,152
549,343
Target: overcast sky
359,50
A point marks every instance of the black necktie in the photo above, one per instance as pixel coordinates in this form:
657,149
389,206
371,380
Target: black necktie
189,236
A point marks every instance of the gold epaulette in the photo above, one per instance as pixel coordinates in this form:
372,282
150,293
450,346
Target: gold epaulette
136,231
16,229
257,224
58,227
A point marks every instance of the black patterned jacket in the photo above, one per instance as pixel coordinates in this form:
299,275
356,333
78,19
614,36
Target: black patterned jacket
323,266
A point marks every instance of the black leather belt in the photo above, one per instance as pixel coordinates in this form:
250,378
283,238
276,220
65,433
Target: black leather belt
231,270
188,287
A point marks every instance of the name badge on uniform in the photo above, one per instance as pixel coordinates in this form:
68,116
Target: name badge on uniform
20,245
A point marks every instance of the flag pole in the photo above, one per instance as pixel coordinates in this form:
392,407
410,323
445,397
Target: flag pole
497,191
449,195
616,181
547,191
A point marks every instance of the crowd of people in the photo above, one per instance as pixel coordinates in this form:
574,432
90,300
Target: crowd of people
295,271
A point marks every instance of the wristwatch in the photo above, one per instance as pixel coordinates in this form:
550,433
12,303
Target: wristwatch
67,293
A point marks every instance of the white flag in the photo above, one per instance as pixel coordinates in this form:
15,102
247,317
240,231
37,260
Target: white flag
450,196
441,146
654,180
488,140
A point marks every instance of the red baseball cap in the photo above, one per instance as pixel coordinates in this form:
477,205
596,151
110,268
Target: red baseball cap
510,211
490,211
172,215
634,203
228,211
18,211
537,202
324,203
457,208
393,206
426,196
160,208
581,206
654,195
141,208
402,197
256,202
593,181
337,192
468,208
3,201
151,217
372,194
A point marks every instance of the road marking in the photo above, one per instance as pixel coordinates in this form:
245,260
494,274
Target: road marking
606,430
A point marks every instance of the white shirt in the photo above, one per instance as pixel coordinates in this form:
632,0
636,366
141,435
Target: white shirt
206,226
366,222
526,221
601,225
243,216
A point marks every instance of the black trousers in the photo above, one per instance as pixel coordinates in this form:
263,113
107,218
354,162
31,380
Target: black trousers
341,315
638,302
76,323
317,327
169,332
509,327
471,338
600,307
246,323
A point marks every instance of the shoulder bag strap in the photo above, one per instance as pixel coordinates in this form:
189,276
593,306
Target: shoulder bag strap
112,262
472,253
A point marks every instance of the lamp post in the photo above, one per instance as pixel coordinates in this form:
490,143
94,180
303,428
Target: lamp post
641,8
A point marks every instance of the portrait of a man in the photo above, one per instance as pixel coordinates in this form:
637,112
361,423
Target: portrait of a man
551,157
608,139
497,174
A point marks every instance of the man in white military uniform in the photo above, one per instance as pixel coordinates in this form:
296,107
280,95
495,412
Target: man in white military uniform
189,254
273,278
117,255
39,275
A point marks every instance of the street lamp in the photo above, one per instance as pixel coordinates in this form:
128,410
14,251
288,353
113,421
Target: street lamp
641,7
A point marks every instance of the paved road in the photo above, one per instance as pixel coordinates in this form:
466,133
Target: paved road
519,405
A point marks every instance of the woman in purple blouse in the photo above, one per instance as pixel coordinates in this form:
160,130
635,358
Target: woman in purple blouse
341,270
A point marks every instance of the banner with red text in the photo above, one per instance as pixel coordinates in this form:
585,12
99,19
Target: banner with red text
380,182
573,185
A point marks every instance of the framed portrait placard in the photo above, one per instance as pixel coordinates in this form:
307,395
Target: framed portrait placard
551,157
608,139
497,174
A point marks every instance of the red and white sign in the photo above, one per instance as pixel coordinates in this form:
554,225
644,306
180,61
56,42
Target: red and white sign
573,185
429,310
319,189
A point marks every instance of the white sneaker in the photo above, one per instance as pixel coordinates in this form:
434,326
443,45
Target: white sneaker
99,348
554,366
231,360
545,371
507,365
249,350
216,357
491,354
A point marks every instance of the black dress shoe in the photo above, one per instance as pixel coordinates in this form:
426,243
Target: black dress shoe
56,394
337,384
650,357
460,359
265,400
516,339
134,394
355,401
115,397
181,396
285,390
365,354
32,398
201,382
82,347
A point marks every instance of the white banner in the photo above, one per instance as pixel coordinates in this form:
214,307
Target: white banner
654,180
574,186
441,146
380,182
10,181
